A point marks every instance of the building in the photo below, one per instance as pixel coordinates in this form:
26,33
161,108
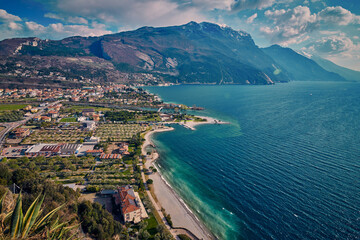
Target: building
96,117
130,204
37,118
45,119
22,132
70,148
88,112
53,114
91,140
43,150
89,125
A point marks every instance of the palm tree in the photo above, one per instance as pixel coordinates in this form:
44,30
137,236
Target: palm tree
15,225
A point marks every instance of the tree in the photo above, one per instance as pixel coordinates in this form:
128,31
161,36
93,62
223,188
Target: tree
149,181
144,234
5,174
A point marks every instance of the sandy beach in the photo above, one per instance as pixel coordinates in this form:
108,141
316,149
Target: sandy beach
181,215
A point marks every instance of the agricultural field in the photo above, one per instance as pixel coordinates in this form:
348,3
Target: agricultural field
10,107
118,132
11,116
55,136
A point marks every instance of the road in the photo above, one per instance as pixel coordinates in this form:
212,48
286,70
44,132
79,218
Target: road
12,125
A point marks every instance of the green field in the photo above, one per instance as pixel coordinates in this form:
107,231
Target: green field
9,107
80,108
68,119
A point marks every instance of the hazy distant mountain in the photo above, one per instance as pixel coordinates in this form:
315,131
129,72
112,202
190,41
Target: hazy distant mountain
190,53
349,74
299,67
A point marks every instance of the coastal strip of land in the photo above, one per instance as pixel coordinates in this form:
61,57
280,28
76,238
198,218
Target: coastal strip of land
192,124
184,220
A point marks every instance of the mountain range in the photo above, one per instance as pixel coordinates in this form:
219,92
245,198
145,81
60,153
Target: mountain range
191,53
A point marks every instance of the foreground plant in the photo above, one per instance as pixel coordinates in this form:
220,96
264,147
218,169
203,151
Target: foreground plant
16,225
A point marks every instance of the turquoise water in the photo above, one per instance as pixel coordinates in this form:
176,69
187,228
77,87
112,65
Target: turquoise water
287,167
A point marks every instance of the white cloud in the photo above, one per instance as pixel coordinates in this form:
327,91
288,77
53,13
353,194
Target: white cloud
5,16
35,27
291,25
338,15
338,49
211,4
251,4
15,26
53,31
137,13
77,20
251,18
333,45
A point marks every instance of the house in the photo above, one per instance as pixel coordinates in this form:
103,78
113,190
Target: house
96,117
28,108
88,112
123,147
53,114
45,119
70,148
34,110
22,132
37,118
81,119
130,204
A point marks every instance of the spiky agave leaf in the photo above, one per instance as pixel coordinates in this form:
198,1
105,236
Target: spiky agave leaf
40,223
31,215
1,202
16,218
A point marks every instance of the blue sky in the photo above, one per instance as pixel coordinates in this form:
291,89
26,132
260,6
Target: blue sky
328,28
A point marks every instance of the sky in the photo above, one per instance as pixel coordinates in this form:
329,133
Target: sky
327,28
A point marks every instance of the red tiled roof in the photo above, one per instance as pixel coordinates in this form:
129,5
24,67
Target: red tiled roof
127,201
94,151
50,148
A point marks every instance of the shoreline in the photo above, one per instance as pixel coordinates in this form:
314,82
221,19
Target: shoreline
181,215
193,124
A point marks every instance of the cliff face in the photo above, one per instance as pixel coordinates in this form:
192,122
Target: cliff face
300,67
190,53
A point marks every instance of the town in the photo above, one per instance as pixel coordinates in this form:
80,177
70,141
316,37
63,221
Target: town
90,140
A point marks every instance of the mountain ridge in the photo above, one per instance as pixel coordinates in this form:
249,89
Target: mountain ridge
300,67
190,53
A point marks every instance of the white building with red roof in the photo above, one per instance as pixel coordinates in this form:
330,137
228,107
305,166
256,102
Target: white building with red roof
130,204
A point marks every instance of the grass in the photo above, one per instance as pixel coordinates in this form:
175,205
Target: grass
9,107
151,224
80,108
68,119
